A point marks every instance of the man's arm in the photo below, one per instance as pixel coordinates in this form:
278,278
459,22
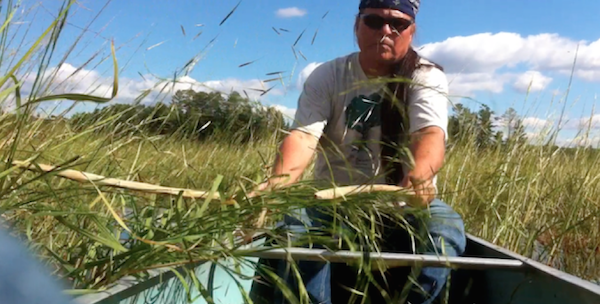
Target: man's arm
428,110
294,155
428,150
312,115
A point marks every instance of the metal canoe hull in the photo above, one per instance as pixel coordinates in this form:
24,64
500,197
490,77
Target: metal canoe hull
532,283
164,286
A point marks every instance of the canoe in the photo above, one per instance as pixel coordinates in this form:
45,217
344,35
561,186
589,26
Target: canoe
485,274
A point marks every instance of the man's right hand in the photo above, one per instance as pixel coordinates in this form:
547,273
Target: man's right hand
261,187
296,152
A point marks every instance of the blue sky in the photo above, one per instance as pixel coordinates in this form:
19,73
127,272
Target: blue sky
490,48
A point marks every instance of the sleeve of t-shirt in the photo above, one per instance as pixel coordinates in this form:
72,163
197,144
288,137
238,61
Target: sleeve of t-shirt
428,101
314,103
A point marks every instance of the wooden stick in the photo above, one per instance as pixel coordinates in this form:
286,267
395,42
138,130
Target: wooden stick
339,192
83,177
328,194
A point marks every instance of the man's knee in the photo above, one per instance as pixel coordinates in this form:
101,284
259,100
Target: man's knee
446,228
440,209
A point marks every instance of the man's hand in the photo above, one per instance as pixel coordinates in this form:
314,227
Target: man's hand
428,149
261,187
424,191
294,155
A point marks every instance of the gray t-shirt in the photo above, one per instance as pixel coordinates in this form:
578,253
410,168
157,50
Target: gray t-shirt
339,105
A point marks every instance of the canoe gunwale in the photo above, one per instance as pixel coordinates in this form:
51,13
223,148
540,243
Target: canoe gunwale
508,261
535,266
129,285
391,260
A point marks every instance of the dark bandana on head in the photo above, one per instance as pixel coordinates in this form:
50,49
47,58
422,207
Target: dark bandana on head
409,7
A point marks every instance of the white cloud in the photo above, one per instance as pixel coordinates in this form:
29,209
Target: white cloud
588,75
253,87
532,81
538,130
487,61
90,82
535,123
536,138
579,141
68,79
290,12
288,113
591,122
465,84
477,53
487,52
530,122
305,73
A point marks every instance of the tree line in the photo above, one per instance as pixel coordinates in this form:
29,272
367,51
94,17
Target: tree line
198,115
237,119
484,129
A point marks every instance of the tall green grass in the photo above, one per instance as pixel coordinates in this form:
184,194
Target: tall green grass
77,229
527,197
517,196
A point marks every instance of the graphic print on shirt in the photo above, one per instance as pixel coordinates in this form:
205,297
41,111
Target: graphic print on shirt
363,127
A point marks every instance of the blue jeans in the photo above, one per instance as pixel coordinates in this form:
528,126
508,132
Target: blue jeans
442,222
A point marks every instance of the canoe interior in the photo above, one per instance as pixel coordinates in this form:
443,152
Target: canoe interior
532,284
164,286
535,283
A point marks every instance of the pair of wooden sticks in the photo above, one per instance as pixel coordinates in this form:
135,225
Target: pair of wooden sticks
85,177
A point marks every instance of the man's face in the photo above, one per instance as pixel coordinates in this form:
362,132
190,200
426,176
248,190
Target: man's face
384,41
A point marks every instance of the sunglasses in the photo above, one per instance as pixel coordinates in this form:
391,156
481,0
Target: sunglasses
376,22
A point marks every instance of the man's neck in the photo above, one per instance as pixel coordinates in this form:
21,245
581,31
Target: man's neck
374,69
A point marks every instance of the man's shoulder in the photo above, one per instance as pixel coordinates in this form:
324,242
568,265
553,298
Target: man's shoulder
341,62
333,68
427,66
426,62
429,71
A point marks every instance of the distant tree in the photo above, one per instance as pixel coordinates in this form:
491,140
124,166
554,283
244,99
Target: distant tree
480,128
461,125
499,138
519,136
199,115
510,117
515,129
485,135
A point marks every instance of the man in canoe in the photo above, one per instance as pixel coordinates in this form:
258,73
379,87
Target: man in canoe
343,110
